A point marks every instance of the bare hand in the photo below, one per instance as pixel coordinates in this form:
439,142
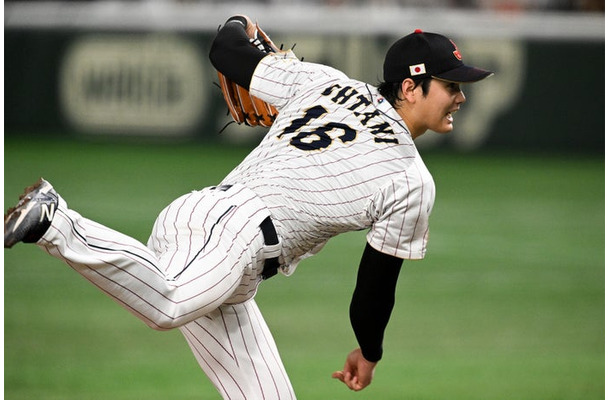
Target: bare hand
357,372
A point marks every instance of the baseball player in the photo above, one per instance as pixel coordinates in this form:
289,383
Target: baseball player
339,157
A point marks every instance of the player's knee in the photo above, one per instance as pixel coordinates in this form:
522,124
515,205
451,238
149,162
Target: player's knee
163,325
161,322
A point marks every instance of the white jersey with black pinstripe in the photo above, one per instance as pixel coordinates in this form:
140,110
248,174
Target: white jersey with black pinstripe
338,158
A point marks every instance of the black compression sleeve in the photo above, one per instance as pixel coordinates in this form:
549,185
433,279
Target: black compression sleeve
233,55
373,300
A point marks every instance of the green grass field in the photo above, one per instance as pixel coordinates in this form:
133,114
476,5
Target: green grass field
508,304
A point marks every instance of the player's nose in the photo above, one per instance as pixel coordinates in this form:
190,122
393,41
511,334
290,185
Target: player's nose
460,98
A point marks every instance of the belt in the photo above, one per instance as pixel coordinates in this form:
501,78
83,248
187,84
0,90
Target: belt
272,249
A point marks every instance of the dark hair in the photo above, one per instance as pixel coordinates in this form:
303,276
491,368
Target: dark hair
391,90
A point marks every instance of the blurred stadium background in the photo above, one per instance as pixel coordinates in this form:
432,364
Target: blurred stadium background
114,102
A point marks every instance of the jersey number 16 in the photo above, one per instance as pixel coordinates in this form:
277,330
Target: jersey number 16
317,138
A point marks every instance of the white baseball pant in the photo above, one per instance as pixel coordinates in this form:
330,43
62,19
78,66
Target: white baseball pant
199,273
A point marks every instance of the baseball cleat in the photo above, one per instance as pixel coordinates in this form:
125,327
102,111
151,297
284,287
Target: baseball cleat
32,216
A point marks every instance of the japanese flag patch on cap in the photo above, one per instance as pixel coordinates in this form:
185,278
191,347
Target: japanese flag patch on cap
417,69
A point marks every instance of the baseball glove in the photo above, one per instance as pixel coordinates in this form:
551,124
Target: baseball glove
244,107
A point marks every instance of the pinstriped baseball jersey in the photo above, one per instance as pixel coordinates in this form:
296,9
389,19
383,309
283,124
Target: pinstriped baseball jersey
348,163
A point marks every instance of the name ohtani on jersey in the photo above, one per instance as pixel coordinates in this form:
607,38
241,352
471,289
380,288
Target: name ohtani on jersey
337,159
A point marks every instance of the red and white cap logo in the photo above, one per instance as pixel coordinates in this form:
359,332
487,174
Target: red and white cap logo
456,52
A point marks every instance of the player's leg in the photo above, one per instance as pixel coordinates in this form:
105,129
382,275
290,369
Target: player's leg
41,216
136,277
236,350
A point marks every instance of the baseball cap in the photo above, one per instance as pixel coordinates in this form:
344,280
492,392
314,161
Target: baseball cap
424,55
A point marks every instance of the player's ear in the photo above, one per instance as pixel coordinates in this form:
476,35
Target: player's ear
408,90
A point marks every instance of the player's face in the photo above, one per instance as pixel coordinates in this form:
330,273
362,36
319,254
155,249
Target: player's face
435,111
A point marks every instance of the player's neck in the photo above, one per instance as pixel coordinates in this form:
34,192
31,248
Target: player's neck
414,130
